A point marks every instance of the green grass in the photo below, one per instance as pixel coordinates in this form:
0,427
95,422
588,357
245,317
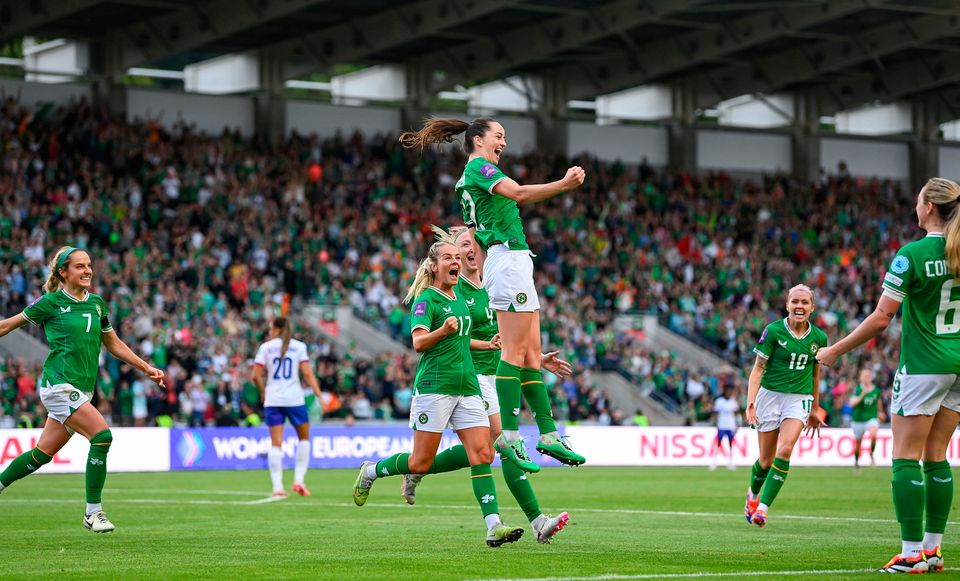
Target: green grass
190,525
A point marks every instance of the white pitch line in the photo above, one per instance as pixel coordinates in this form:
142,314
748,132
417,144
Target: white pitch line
616,577
165,501
169,491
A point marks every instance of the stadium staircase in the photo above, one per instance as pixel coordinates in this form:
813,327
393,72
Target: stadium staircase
22,345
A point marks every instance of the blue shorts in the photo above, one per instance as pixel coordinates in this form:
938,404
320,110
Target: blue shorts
297,414
728,434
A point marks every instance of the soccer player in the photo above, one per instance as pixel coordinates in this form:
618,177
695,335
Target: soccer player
446,392
867,413
490,200
727,411
76,325
485,362
925,278
277,368
783,396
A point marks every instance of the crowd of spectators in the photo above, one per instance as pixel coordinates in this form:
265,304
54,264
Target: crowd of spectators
199,240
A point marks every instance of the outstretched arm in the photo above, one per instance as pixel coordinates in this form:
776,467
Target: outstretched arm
876,323
116,347
11,324
533,193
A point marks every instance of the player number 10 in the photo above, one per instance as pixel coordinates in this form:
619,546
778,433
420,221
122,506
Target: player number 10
798,362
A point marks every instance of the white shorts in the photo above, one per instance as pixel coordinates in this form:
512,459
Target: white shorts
922,395
434,412
61,400
861,428
488,389
508,278
774,407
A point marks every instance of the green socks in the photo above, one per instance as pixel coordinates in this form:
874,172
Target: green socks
757,478
508,392
453,458
908,495
97,465
521,489
396,464
938,492
535,392
481,476
24,465
774,480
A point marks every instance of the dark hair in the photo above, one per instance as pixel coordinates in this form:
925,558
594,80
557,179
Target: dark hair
283,325
436,130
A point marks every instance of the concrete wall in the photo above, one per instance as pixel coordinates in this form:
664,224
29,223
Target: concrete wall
743,151
210,113
888,159
628,143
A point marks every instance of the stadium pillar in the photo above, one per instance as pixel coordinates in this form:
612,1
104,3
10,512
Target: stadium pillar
108,73
805,140
552,127
924,161
270,102
682,131
417,106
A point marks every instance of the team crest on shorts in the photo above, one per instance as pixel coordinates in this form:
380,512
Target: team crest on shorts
74,395
486,405
423,418
521,298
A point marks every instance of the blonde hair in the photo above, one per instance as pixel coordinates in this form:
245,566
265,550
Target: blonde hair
945,195
55,280
442,235
801,288
286,333
424,276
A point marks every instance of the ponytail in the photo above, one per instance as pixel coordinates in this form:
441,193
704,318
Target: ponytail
424,276
945,195
55,280
286,333
436,130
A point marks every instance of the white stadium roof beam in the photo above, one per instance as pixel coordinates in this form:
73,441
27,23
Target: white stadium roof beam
18,17
654,60
352,41
797,65
504,51
200,24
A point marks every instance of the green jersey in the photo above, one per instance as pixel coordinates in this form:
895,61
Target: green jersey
496,217
866,410
484,324
790,358
446,368
920,278
73,328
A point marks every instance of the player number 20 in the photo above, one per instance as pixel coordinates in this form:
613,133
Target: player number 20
798,362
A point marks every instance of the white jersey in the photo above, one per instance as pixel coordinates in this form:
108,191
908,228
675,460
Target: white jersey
283,374
727,410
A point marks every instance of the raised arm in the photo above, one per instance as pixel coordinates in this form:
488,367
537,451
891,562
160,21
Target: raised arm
533,193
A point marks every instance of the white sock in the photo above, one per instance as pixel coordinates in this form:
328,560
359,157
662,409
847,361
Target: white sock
303,460
910,549
538,521
932,540
511,435
762,507
492,520
92,508
371,472
275,461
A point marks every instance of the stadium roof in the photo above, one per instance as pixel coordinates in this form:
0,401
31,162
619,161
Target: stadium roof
844,52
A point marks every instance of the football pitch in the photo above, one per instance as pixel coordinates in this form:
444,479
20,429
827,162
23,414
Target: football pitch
626,523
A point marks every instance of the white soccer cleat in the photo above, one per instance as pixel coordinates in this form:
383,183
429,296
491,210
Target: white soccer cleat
550,526
98,522
408,488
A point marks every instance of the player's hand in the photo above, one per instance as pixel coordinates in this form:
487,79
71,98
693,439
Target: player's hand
814,423
552,363
574,177
495,343
450,326
827,356
156,375
751,414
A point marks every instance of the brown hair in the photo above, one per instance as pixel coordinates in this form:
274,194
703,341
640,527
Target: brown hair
945,195
424,276
55,279
436,130
282,324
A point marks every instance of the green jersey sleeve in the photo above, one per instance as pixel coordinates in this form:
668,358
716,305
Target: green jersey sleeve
486,175
40,310
896,282
105,326
765,344
422,314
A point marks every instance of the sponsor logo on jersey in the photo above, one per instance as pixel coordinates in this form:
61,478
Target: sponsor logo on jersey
423,418
893,279
447,309
782,343
74,395
488,170
900,264
470,302
420,309
65,310
521,298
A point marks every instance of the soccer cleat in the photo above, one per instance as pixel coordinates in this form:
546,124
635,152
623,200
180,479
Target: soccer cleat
361,488
408,488
551,526
502,534
934,559
749,508
901,564
281,493
515,452
98,522
559,448
300,489
759,518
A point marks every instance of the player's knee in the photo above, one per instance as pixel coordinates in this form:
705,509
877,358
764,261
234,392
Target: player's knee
484,455
419,465
784,451
102,439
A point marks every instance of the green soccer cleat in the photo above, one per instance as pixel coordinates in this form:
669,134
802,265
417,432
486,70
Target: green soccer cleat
408,488
98,523
559,448
516,453
502,534
361,487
